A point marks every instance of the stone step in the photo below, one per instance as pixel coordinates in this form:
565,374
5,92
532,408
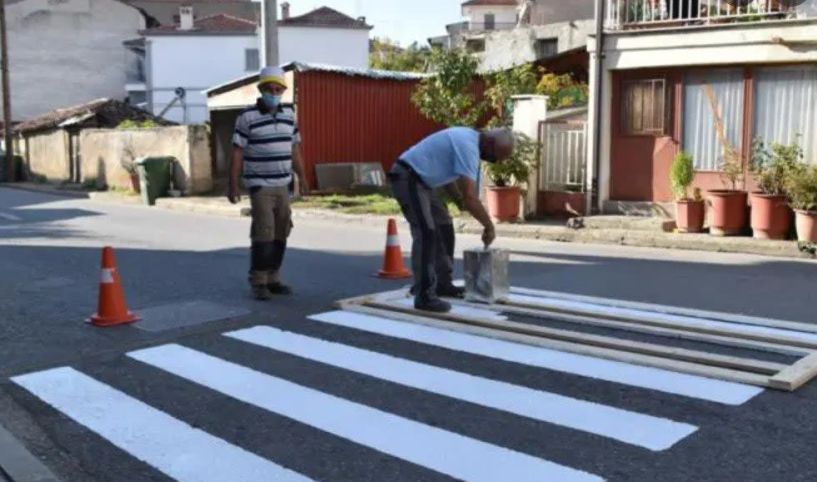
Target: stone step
626,223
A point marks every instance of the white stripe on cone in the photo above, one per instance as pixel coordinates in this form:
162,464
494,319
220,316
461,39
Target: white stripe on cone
107,276
393,240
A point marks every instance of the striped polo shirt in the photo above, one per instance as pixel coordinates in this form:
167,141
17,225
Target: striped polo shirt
267,139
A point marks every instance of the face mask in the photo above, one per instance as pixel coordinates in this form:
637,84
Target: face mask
270,100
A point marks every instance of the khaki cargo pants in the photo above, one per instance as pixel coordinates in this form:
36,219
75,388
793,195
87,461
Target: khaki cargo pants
271,226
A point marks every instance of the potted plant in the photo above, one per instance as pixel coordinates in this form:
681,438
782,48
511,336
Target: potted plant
801,186
689,212
504,195
728,206
771,215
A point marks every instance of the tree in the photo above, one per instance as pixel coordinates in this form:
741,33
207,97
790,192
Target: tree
387,55
505,84
447,97
563,91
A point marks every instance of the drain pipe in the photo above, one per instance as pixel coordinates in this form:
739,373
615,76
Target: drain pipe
598,89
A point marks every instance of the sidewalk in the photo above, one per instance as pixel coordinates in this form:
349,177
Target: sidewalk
17,464
619,230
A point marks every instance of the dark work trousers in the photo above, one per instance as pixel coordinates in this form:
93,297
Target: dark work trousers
432,231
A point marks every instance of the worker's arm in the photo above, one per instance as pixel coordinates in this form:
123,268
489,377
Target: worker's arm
298,167
236,166
472,204
454,193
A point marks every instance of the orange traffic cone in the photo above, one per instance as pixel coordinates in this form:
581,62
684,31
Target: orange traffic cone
393,267
112,309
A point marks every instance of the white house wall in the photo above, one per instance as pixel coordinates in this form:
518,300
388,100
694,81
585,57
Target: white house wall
195,63
343,47
503,16
67,53
504,49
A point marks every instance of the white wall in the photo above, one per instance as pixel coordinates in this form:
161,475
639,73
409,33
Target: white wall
504,15
505,49
334,46
195,63
66,53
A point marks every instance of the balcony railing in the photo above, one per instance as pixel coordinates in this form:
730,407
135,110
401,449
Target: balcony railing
651,14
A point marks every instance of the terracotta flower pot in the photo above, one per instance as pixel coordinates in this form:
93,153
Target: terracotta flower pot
135,183
503,203
689,216
728,212
807,226
771,216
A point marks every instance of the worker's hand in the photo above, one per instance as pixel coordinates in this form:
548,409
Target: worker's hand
233,194
488,235
303,189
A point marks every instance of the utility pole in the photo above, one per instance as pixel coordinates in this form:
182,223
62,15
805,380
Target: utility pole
271,32
4,65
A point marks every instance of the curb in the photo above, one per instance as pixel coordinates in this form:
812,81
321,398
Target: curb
18,464
46,189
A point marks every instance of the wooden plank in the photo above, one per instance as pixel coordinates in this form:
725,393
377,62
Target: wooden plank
646,320
796,375
673,310
768,367
681,354
576,348
654,330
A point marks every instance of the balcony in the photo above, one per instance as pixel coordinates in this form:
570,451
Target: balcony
665,14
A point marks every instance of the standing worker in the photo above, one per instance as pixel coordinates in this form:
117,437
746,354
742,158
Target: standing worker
448,159
266,149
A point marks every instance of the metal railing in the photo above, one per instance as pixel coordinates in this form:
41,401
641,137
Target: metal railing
564,156
477,27
645,14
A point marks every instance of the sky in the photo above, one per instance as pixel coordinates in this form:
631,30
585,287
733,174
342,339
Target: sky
402,20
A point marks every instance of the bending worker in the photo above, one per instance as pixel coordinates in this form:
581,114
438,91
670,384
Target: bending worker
449,159
266,151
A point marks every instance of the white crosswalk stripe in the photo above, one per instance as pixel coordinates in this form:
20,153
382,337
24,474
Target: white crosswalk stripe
174,447
638,376
167,444
400,437
646,431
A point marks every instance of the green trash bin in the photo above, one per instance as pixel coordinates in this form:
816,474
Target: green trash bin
155,174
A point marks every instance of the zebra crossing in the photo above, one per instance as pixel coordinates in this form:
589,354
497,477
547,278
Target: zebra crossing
180,450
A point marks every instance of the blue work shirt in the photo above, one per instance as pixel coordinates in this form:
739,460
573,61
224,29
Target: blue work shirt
445,156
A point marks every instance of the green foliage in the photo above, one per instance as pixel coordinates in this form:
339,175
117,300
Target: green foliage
771,165
682,173
801,186
562,90
515,170
133,124
387,55
447,97
505,84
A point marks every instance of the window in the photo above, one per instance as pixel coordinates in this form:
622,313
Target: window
490,21
786,107
252,60
701,140
546,48
644,107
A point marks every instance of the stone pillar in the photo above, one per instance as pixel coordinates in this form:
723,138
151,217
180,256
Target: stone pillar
528,112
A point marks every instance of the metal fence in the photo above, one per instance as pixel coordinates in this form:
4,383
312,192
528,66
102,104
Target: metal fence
623,14
564,156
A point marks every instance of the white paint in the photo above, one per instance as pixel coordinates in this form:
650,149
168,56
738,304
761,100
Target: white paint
9,217
406,439
154,437
598,309
393,240
653,433
456,309
634,375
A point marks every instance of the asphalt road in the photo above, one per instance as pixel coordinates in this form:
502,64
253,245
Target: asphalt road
337,399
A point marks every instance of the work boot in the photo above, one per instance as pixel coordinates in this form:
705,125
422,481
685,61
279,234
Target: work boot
434,305
451,291
278,288
261,293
